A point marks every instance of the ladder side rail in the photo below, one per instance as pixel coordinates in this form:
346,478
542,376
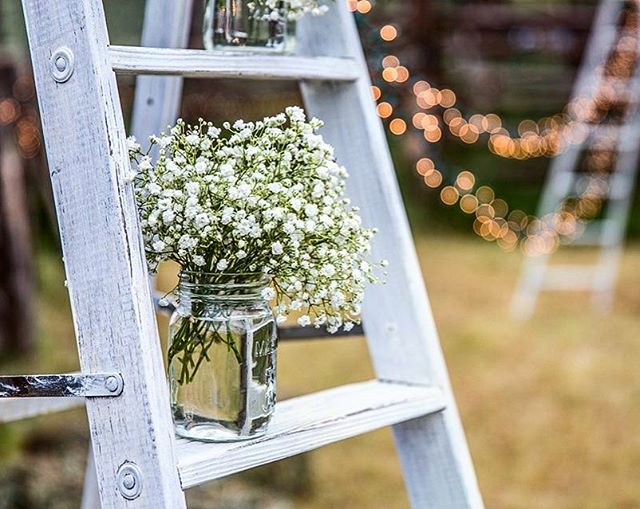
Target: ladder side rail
90,492
617,214
15,409
157,98
403,339
558,183
599,44
560,178
156,101
104,259
621,187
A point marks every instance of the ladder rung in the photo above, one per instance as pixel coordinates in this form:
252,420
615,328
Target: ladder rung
193,63
285,332
569,277
18,408
308,422
591,237
296,333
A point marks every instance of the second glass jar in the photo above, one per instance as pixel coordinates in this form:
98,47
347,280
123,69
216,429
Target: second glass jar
247,25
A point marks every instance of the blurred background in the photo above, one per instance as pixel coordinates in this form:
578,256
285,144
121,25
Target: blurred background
476,97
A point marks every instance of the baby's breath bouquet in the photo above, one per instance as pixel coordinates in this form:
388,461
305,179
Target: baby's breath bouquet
263,198
294,9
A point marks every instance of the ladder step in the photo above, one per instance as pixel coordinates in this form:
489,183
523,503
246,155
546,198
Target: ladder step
592,235
14,409
192,63
308,422
285,332
569,277
296,333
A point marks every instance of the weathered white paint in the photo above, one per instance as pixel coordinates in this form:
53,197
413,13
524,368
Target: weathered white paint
104,260
191,63
398,323
308,422
105,265
15,409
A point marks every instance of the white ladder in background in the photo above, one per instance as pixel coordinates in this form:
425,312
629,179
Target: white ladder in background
607,233
138,461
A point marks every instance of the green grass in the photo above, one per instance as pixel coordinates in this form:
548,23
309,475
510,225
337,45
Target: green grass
551,407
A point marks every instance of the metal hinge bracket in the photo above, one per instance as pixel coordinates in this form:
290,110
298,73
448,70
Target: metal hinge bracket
102,385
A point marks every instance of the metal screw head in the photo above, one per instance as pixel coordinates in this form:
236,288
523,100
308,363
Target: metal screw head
129,480
112,383
62,64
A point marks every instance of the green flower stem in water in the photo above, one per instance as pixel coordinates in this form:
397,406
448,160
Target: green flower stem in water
193,340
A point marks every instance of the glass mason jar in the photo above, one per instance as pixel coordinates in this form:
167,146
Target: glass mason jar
222,357
246,25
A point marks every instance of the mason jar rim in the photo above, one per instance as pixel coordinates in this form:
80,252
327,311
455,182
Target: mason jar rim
223,284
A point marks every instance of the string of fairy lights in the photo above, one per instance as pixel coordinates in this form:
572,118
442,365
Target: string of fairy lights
435,111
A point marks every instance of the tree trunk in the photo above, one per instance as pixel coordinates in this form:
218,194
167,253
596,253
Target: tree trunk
16,272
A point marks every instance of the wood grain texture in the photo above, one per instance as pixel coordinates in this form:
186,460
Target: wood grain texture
400,330
308,422
17,409
104,261
193,63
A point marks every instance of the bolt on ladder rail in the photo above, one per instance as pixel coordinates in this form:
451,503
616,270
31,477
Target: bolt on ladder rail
139,463
567,173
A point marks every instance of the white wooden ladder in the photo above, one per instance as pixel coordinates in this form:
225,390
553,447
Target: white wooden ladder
138,461
606,233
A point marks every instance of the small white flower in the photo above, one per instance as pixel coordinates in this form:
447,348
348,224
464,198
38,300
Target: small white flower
132,144
192,139
276,248
268,293
192,188
199,261
304,320
328,270
158,246
222,265
202,220
145,164
168,216
296,204
311,209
